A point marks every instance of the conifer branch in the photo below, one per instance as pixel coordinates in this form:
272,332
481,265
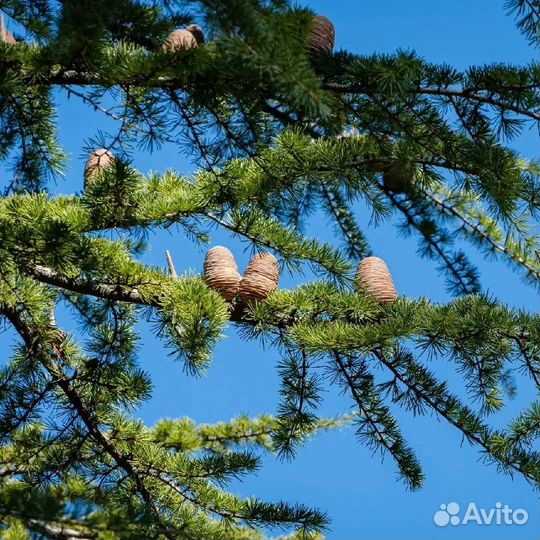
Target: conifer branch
99,290
260,114
379,429
464,283
449,408
449,93
35,343
475,229
81,78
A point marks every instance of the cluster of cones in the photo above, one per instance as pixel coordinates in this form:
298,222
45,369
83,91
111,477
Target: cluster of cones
321,38
262,274
184,38
259,280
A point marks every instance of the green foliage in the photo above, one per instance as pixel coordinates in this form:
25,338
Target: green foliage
277,135
527,14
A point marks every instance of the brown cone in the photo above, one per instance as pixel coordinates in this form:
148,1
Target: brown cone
260,278
221,272
197,32
178,40
97,161
397,178
321,39
374,278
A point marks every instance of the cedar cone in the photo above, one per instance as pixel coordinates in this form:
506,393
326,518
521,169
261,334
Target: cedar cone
197,32
221,272
374,278
260,278
97,161
321,38
178,40
397,178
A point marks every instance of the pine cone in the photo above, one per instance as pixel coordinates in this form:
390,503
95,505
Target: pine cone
260,278
197,32
321,39
397,178
374,278
221,272
178,40
97,161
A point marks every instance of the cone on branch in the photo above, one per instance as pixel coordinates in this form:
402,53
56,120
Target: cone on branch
221,272
97,162
322,36
398,178
197,32
374,279
260,278
184,38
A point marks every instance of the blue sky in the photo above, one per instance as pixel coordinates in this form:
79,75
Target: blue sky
333,471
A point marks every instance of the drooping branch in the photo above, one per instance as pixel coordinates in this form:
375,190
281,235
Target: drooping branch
37,343
462,418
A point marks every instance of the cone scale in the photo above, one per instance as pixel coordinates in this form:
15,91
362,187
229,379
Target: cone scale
178,40
321,39
260,278
221,272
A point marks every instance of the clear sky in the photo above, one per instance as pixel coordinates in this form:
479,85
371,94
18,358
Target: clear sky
333,471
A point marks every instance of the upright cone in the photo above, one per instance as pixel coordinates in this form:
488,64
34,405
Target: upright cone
178,40
97,161
321,39
260,278
374,278
221,272
397,178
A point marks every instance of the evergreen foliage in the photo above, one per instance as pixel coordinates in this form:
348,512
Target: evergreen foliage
276,134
